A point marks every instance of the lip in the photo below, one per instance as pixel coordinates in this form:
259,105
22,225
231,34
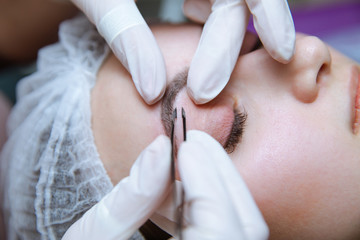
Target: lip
355,96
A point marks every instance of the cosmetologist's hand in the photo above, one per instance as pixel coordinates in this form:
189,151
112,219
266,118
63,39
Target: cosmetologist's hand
132,201
218,204
225,26
128,35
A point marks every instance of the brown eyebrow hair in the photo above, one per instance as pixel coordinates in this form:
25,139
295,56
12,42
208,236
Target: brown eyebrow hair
172,90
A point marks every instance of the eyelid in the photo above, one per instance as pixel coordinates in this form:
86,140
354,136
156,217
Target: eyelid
236,131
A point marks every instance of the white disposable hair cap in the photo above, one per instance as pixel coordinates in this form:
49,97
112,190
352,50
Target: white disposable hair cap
51,172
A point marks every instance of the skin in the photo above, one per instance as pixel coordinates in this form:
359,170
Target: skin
299,154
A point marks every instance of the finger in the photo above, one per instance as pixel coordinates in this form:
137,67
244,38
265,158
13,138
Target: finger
138,51
218,50
207,204
134,45
120,213
274,24
197,10
218,195
126,32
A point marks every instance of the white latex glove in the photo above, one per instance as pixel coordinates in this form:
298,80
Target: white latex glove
225,26
134,199
218,204
126,32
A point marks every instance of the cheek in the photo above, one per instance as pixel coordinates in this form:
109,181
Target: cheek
297,176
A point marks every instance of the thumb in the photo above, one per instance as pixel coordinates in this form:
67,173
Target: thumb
219,204
120,213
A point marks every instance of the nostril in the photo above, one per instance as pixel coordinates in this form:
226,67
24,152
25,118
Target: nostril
324,69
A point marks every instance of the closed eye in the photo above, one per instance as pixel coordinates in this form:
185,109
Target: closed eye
237,131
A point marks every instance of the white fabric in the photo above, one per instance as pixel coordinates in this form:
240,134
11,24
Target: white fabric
51,170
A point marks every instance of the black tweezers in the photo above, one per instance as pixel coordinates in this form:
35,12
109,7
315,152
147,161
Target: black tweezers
179,211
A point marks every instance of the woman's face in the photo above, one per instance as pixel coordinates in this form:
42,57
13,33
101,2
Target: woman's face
299,151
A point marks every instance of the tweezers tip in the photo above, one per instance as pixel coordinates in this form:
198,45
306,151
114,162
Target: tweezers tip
174,115
183,112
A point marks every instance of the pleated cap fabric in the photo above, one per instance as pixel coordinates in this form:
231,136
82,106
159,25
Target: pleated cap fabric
51,170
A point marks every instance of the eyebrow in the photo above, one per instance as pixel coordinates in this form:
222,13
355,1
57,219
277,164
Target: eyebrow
172,90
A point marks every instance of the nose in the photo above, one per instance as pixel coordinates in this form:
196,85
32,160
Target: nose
309,67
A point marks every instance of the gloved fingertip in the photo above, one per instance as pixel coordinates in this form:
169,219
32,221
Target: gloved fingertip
186,148
161,140
192,152
151,81
189,148
156,156
150,169
198,97
204,83
284,55
151,98
283,60
144,62
282,49
197,136
160,146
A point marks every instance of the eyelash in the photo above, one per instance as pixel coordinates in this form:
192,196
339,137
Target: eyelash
237,131
238,127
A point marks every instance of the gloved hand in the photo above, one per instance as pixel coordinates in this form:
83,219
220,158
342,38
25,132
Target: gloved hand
126,32
218,204
134,199
225,26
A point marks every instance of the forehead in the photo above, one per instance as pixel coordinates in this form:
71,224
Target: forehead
178,44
